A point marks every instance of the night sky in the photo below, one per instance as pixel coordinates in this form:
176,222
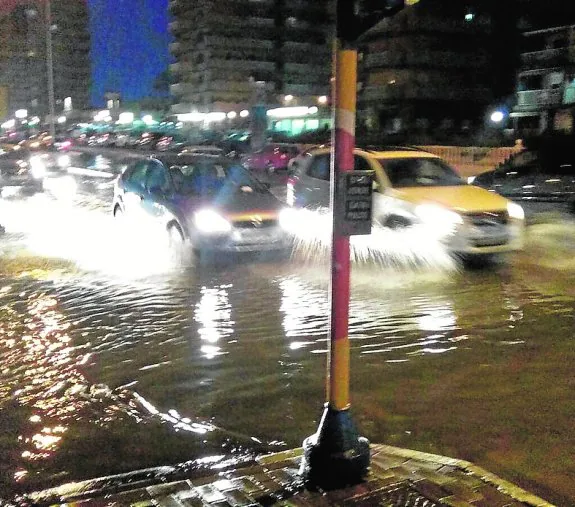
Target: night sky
129,46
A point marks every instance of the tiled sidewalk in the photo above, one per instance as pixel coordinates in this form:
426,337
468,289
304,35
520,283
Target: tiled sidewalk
397,477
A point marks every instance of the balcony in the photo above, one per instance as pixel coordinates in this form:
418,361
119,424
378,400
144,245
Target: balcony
533,100
412,91
546,58
431,59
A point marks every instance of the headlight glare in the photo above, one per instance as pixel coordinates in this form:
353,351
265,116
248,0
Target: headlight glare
37,167
210,222
64,161
432,213
287,218
515,211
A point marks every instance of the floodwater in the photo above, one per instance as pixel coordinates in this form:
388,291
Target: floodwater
111,363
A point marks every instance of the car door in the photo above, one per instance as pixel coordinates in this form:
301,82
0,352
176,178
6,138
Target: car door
312,188
135,188
383,203
158,189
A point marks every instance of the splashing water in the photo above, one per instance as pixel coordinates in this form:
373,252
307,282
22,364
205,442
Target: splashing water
415,246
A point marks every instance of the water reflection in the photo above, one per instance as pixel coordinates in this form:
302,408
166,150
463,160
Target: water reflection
39,371
213,313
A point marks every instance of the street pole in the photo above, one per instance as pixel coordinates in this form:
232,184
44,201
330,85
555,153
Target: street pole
336,455
50,70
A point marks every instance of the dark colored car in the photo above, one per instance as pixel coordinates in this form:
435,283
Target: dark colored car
204,202
539,180
21,171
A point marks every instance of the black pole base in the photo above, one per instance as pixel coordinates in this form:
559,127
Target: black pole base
336,456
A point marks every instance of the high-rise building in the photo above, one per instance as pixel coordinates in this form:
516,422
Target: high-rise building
427,71
23,54
231,54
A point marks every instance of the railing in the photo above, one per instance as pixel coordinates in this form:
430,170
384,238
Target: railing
549,57
412,91
444,59
473,160
539,98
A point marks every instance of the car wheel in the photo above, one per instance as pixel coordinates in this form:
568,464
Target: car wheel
177,244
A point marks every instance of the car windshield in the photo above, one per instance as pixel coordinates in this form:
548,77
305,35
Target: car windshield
419,172
206,177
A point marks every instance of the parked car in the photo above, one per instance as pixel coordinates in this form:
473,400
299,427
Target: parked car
271,158
208,150
21,171
201,202
413,187
540,180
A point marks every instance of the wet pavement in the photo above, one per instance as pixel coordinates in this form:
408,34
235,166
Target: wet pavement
397,477
112,360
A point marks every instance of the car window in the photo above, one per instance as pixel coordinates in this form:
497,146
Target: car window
360,163
157,177
420,172
137,176
206,177
319,168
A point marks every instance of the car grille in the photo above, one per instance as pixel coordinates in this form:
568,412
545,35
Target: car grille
488,218
254,223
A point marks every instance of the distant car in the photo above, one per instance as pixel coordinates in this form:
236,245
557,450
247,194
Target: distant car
213,151
271,158
413,187
541,181
21,171
201,203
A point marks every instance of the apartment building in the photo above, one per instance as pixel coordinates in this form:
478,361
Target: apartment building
23,55
545,97
426,70
230,54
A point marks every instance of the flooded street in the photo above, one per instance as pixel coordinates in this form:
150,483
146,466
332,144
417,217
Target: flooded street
112,360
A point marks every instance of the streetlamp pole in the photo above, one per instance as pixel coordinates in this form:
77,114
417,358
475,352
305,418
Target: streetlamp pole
50,70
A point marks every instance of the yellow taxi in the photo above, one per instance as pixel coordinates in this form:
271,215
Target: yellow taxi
416,188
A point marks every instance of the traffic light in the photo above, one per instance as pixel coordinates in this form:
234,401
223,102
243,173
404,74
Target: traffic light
357,16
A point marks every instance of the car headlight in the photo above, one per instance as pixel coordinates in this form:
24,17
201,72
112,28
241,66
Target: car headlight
64,161
515,211
471,179
431,213
37,167
210,222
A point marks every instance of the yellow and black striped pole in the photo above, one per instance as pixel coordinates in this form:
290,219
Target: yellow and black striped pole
336,455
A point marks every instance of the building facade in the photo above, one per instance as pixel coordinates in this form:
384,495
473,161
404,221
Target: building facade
232,54
23,55
545,97
426,72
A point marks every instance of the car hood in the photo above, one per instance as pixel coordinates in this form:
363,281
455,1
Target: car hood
461,198
233,207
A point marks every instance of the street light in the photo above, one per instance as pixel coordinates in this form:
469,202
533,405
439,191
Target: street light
497,116
50,69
